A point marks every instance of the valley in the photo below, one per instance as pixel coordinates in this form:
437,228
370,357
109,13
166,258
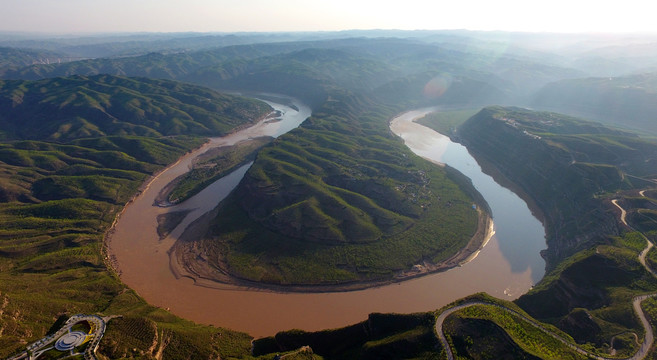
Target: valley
294,310
349,213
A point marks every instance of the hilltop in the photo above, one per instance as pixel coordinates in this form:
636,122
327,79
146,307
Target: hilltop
59,198
328,202
594,269
339,199
62,109
628,101
530,148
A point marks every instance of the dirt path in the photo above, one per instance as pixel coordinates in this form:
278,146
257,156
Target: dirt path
623,212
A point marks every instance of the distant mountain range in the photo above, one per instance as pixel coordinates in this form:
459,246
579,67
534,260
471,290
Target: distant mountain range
361,63
627,101
339,199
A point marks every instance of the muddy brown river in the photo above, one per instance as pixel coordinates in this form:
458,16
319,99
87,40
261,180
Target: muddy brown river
506,267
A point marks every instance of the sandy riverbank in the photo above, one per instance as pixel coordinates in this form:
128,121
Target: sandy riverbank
189,261
144,264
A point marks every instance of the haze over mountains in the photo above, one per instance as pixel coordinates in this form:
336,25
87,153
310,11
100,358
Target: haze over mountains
503,67
84,121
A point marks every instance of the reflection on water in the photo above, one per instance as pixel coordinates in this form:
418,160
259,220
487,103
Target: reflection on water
208,198
506,267
519,233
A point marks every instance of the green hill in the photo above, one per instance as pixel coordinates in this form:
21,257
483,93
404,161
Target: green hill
12,59
624,101
153,64
301,68
594,272
338,200
77,107
544,154
58,200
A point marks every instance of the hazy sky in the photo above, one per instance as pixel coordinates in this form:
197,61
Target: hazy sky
75,16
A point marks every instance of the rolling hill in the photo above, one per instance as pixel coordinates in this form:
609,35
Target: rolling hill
59,198
62,109
337,200
328,202
532,147
624,101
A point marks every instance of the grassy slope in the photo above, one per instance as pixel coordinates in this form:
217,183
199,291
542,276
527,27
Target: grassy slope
340,199
588,294
486,332
12,59
99,182
63,109
23,180
57,200
446,122
209,168
601,282
529,148
51,261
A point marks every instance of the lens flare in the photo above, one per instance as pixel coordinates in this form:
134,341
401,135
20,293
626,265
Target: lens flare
437,86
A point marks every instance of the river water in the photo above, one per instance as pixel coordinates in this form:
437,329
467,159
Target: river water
506,267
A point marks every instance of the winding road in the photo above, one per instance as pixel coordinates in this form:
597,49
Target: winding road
68,341
648,339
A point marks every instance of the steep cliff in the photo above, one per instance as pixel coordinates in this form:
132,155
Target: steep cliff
561,166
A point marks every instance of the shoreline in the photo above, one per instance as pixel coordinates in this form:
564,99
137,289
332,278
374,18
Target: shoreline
224,280
111,263
144,265
191,264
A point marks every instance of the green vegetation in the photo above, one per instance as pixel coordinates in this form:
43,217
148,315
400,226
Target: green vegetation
589,297
51,261
381,336
51,240
340,199
145,331
446,121
491,311
624,101
57,201
214,165
486,331
590,294
63,109
530,148
335,201
12,59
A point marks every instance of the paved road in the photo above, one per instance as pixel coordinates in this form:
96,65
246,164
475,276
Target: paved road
37,348
648,339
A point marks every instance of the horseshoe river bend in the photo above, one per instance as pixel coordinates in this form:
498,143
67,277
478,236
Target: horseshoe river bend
507,266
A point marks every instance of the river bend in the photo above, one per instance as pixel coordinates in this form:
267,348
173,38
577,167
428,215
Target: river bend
506,267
